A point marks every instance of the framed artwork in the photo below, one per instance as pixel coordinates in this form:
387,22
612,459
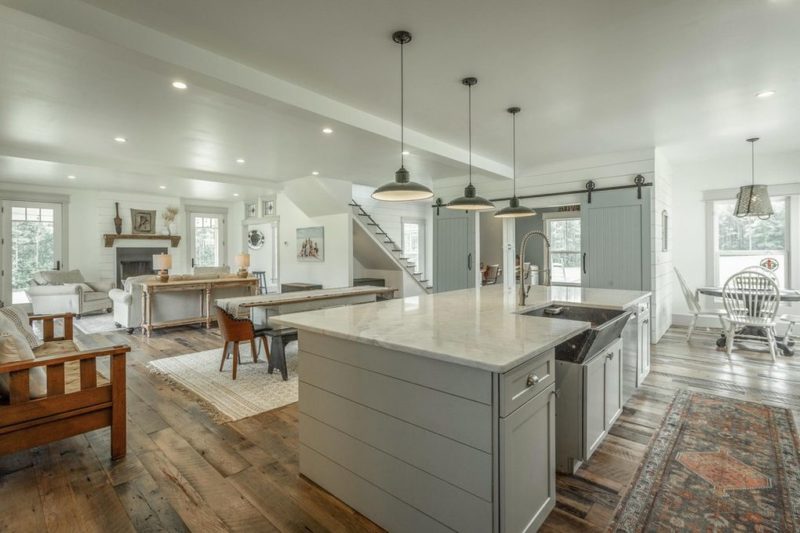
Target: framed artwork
311,244
143,222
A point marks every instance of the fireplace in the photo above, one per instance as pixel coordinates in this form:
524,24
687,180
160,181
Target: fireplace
135,262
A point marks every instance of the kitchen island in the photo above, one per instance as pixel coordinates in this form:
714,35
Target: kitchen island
437,412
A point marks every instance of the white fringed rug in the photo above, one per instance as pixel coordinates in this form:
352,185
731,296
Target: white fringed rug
254,391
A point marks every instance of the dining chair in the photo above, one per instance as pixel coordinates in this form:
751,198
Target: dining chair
492,273
235,330
791,320
751,300
697,311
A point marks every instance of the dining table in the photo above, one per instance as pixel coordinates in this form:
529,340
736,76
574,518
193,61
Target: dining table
785,345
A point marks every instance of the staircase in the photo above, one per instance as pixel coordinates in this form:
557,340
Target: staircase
392,249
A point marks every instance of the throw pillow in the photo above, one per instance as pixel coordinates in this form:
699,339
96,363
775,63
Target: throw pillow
19,319
13,348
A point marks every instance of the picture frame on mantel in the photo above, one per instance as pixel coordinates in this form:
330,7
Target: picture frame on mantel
143,222
311,244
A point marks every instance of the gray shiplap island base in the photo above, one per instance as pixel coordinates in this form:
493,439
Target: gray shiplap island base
434,413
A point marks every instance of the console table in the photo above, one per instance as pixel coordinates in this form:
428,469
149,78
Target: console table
150,289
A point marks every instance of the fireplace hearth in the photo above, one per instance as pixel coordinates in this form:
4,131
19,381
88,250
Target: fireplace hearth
135,262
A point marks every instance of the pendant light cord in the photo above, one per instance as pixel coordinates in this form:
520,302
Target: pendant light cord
753,162
514,151
402,108
469,127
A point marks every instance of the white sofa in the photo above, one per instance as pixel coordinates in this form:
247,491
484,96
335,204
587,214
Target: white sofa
66,291
168,305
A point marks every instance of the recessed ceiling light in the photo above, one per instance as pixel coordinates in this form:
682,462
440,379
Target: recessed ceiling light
240,161
405,152
71,177
327,131
179,84
162,186
236,194
315,173
121,140
765,94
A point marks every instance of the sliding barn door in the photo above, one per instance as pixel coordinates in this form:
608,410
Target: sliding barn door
454,250
615,240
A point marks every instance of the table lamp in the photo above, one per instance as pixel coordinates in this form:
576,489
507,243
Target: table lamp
243,262
162,263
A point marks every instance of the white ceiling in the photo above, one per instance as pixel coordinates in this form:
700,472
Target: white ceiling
592,77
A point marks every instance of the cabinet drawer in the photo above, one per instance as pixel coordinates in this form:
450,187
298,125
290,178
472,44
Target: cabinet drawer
524,382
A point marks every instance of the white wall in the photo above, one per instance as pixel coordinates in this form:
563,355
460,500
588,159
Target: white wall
690,180
661,273
337,268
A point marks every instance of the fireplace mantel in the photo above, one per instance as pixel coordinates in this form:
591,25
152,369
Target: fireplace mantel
110,238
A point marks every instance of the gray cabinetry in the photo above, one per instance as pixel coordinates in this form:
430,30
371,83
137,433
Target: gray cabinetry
636,349
527,463
643,361
589,402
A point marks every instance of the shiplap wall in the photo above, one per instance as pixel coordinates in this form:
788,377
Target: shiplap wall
662,276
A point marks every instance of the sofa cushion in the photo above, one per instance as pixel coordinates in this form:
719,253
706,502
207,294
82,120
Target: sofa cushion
94,296
137,279
60,277
14,348
83,286
13,319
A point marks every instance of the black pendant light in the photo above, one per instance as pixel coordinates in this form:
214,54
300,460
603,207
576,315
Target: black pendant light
514,210
402,189
470,201
753,200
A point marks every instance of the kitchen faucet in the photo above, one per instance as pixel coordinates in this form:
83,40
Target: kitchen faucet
523,292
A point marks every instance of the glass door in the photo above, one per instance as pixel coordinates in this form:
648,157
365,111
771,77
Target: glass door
206,239
31,243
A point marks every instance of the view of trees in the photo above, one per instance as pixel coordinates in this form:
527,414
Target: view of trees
751,233
32,238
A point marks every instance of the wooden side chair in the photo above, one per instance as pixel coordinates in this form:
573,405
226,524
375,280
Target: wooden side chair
234,331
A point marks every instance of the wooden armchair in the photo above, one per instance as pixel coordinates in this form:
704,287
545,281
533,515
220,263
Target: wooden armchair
25,422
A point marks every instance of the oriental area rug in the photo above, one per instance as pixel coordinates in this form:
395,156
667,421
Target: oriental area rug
717,464
253,391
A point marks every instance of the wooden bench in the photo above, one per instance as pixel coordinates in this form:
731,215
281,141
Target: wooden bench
25,422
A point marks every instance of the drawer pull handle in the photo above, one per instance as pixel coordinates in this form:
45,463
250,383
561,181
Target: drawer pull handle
532,380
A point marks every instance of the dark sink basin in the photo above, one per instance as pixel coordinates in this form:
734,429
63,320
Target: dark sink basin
607,325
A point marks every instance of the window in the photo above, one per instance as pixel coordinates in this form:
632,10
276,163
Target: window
206,240
413,240
564,233
744,242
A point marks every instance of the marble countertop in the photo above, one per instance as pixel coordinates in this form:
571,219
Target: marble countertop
480,328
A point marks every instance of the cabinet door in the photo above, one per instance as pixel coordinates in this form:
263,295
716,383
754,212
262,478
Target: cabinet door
594,395
613,379
528,464
644,350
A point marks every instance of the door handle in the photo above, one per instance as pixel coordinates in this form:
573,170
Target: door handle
192,262
58,265
583,262
469,261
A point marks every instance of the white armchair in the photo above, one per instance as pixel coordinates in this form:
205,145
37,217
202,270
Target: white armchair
56,292
128,302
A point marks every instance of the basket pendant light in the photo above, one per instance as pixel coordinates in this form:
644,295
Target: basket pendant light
514,210
470,201
402,189
753,200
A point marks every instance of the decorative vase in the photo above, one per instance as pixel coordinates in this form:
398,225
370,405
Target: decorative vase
117,220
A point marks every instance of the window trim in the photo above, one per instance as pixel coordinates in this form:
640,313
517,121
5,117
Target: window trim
209,211
559,215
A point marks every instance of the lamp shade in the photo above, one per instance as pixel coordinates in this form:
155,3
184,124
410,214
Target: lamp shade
162,262
242,260
753,201
402,189
470,201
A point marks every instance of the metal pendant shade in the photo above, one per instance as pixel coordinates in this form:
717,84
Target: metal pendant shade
514,210
753,200
402,189
470,201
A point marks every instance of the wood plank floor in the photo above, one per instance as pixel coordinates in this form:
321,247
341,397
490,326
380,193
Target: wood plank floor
185,472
